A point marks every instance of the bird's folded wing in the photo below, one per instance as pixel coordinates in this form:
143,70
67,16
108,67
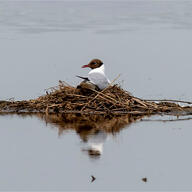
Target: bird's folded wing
99,79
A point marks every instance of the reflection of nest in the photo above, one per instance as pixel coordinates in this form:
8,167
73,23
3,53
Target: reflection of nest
92,129
85,125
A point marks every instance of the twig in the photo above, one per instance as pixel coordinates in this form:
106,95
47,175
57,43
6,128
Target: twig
139,101
98,93
64,83
168,120
168,100
77,95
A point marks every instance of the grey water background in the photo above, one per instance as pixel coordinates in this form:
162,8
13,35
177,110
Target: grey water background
148,42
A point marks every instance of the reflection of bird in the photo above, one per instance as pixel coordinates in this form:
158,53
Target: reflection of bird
95,143
97,74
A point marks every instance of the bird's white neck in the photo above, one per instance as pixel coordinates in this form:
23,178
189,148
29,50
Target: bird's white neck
102,68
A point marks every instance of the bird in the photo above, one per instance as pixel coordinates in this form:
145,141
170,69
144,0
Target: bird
92,178
144,179
97,74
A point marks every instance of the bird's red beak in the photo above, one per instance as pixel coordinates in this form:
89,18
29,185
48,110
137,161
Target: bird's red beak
84,66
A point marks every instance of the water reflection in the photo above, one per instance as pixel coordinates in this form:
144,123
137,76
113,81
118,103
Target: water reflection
93,129
95,142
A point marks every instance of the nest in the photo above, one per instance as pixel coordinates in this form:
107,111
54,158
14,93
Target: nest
86,99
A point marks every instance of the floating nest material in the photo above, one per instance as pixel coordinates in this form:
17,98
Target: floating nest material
88,100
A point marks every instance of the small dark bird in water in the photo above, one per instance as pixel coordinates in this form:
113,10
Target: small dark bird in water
144,179
93,178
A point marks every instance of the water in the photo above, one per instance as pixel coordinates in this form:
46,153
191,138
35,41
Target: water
148,42
36,156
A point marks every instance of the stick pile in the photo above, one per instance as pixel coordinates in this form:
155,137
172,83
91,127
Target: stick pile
67,99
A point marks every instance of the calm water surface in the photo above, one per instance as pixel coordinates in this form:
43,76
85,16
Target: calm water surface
148,42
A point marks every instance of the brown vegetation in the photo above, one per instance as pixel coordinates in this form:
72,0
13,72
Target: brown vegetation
87,100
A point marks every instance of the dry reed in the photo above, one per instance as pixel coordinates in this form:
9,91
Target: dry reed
113,100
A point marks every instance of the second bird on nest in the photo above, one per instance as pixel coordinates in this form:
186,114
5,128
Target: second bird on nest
97,74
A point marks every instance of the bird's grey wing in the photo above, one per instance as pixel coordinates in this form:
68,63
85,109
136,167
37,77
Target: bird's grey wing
98,79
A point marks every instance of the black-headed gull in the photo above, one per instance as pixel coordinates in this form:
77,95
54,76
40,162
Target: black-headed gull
97,74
